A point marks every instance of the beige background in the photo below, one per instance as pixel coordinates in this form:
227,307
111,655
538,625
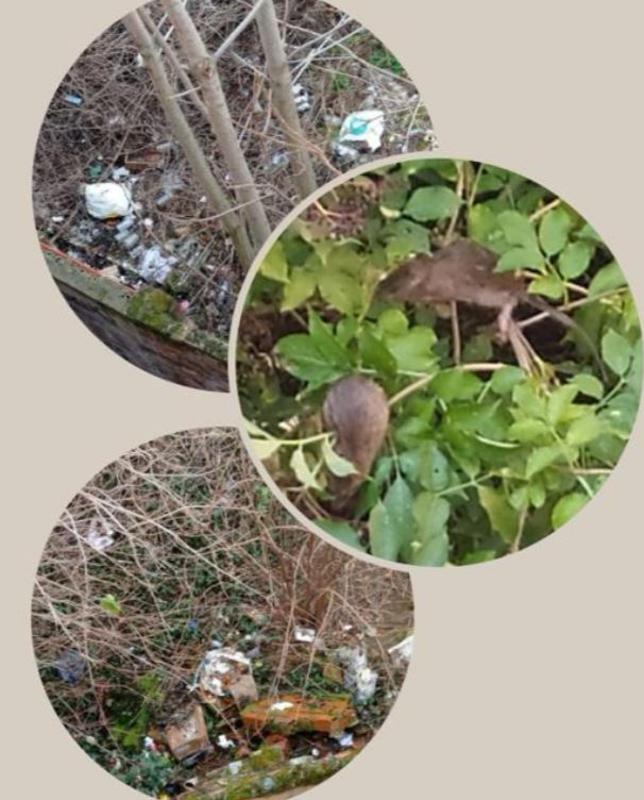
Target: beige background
527,679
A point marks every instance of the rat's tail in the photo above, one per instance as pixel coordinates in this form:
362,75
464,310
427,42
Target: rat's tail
563,318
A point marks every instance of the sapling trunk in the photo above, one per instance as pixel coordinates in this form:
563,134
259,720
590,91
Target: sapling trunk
205,73
283,100
184,135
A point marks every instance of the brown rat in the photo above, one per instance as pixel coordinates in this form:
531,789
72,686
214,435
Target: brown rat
357,411
463,272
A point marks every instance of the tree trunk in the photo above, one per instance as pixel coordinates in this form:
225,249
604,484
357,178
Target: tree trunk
283,100
182,131
174,60
205,74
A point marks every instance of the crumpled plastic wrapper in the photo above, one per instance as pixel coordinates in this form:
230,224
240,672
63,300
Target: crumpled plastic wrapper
363,128
108,200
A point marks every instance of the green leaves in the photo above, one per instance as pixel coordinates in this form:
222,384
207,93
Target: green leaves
110,605
432,203
607,279
503,518
304,359
518,230
376,355
575,258
455,384
337,465
584,430
430,545
391,521
341,531
616,352
567,507
316,357
548,285
303,472
476,451
413,349
505,379
299,288
589,385
275,265
553,230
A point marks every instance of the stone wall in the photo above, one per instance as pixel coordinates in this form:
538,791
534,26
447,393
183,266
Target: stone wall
188,357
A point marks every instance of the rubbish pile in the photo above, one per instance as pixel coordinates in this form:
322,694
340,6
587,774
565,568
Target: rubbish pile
225,672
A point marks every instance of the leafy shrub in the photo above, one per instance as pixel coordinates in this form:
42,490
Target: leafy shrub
482,458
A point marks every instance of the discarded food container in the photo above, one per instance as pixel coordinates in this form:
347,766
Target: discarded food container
100,535
107,200
301,97
225,672
224,742
344,739
187,736
291,713
70,666
359,678
74,100
301,634
402,652
364,128
120,174
153,265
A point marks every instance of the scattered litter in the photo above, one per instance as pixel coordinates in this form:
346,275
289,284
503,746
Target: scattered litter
348,627
153,265
74,100
100,535
364,128
58,218
120,174
147,158
359,678
128,240
187,736
267,784
226,672
149,744
315,752
224,742
345,152
301,634
402,652
70,666
301,97
281,706
280,159
344,739
107,200
171,183
234,767
125,224
191,783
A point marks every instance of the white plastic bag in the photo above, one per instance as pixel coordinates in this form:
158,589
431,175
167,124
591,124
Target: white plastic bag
107,200
363,128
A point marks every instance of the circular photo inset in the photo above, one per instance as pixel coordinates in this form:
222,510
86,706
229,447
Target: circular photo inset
438,362
179,138
194,640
